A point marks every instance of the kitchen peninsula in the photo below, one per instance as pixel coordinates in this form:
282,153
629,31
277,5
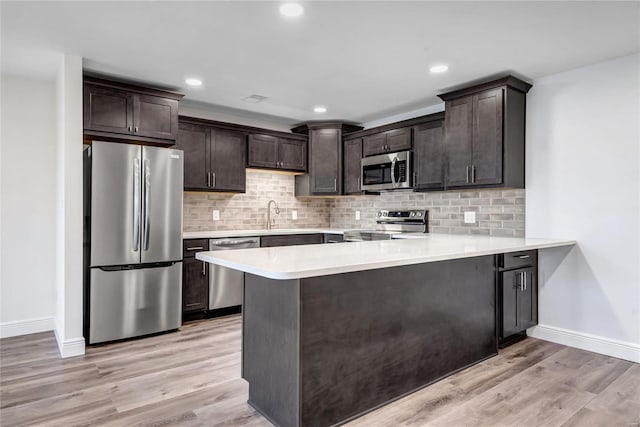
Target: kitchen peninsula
334,331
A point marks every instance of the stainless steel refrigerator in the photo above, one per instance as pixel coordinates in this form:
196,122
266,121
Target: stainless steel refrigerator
132,240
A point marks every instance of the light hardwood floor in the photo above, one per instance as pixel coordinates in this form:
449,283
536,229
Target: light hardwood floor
192,378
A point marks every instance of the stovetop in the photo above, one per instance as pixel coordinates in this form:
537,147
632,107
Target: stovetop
390,223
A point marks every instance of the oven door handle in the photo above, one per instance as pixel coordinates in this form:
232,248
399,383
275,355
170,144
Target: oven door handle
393,172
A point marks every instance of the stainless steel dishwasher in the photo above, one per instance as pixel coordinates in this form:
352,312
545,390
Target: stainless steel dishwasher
225,284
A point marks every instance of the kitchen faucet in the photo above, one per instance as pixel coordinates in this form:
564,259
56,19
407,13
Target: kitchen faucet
269,213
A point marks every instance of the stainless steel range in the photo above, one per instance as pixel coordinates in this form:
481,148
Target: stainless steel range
390,223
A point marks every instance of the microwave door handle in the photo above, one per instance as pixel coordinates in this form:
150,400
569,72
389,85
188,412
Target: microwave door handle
393,172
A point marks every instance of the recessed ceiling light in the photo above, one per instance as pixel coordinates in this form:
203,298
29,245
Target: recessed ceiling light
440,68
193,81
320,109
254,99
291,9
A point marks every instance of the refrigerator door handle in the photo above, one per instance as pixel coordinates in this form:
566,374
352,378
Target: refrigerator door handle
136,205
147,190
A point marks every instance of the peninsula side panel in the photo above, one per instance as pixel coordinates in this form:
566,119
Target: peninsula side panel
370,337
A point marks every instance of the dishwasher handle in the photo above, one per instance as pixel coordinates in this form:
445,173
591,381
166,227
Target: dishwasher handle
234,242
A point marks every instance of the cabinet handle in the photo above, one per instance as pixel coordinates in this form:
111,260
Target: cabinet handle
195,248
135,130
467,169
204,268
208,179
415,177
524,275
473,173
335,184
359,189
213,179
129,128
523,256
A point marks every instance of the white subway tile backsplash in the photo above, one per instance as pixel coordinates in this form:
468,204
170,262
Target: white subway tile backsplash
499,212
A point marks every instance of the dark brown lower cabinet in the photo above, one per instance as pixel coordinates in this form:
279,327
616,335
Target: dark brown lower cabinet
291,240
195,285
519,302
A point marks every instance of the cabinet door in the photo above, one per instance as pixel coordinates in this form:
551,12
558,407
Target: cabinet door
528,302
228,160
398,139
292,154
325,158
487,137
194,141
352,166
428,160
374,144
155,117
107,109
458,141
263,151
195,285
511,283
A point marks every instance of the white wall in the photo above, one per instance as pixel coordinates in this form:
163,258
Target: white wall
583,182
28,168
69,216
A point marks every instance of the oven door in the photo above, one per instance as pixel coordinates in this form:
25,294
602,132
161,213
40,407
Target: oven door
387,171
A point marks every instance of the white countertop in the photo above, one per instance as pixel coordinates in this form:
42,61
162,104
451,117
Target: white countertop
251,233
296,262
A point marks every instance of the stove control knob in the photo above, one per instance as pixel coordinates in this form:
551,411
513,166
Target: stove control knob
412,214
385,213
418,213
378,214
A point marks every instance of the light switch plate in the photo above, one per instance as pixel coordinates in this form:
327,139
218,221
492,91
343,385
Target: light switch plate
357,215
470,217
216,215
294,215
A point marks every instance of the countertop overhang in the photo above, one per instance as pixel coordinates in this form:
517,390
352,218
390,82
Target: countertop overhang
297,262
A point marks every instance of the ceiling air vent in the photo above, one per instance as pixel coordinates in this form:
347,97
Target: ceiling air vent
254,99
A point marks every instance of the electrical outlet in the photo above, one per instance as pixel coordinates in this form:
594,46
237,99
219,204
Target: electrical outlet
216,215
357,215
294,215
470,217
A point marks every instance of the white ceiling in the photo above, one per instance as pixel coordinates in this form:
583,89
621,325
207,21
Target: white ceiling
363,60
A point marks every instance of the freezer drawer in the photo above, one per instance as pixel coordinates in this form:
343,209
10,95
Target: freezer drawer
130,303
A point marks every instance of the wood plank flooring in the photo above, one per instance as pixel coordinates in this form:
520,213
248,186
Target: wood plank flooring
192,378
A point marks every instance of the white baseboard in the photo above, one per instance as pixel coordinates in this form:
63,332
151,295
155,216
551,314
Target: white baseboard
597,344
71,347
25,327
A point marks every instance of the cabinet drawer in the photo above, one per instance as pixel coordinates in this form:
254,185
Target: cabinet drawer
291,240
191,246
519,259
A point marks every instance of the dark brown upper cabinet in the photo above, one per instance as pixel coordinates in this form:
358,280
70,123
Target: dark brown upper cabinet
214,159
120,111
325,159
352,166
387,142
428,156
272,152
484,134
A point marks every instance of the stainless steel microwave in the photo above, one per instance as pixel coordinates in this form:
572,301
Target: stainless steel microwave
387,172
